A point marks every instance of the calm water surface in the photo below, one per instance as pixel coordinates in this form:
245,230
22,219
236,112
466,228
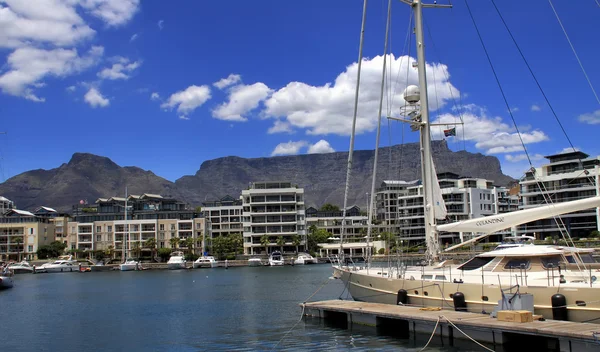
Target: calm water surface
192,310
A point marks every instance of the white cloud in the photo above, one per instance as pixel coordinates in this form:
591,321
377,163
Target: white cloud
154,96
569,150
490,134
71,89
133,37
535,107
520,157
28,65
515,109
119,70
592,118
228,81
289,148
187,100
112,12
280,127
183,117
161,24
95,98
321,147
328,109
242,99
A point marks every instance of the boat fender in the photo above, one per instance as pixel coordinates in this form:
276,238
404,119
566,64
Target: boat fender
402,297
460,305
559,307
594,278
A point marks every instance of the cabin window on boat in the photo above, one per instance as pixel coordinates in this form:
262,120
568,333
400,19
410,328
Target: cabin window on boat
475,263
587,258
518,263
570,259
426,277
440,277
550,262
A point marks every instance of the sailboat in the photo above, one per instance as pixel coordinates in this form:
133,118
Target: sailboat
128,264
560,280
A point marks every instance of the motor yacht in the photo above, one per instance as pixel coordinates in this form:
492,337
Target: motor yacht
304,258
205,262
255,262
64,264
21,268
276,259
129,265
177,261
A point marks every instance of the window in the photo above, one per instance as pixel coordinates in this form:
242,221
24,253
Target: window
550,262
109,228
161,227
31,231
475,263
162,245
440,277
426,277
98,238
518,263
172,227
98,228
30,248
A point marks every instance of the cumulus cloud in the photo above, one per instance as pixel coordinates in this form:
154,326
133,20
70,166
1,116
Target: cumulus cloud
161,24
70,89
488,133
133,37
187,100
569,150
119,70
328,109
28,65
242,100
535,107
95,98
112,12
321,147
280,127
228,81
289,148
520,157
592,118
154,96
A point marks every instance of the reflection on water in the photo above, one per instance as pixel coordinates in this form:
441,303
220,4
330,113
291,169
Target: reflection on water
242,309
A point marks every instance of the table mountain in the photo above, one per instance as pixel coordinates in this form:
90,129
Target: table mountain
323,176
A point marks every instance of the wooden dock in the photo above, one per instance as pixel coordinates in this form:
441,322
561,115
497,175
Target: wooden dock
548,335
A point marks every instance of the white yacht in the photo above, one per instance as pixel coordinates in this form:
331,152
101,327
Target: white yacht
6,280
21,268
304,258
64,264
276,259
177,261
129,265
205,262
516,241
255,262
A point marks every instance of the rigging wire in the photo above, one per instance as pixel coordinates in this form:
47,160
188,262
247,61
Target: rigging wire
574,52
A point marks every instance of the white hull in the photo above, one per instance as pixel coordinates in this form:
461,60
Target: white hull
128,267
21,270
6,282
273,262
299,261
176,266
255,262
479,297
59,269
205,265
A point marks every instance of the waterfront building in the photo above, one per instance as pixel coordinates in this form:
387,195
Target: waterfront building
60,221
400,207
102,226
5,205
223,216
22,233
354,231
275,210
567,176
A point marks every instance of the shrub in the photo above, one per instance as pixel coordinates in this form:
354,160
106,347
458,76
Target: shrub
190,257
164,253
381,251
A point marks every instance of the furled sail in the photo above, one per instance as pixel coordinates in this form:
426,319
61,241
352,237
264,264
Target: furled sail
439,206
490,224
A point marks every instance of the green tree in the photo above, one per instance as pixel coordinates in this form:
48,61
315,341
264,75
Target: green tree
150,244
389,239
315,237
189,244
329,207
220,247
18,241
237,242
51,250
200,242
265,241
174,241
110,251
296,241
164,254
136,249
281,242
198,209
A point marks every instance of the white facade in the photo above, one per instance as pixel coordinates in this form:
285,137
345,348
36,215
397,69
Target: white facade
224,216
5,205
275,210
568,176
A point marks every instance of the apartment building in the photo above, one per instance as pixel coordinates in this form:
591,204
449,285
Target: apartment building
400,207
567,176
354,231
223,216
273,209
22,233
103,226
6,205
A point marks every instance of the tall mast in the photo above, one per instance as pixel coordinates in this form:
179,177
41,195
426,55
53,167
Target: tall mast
431,238
125,229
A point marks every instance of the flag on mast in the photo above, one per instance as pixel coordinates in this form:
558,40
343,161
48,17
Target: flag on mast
450,132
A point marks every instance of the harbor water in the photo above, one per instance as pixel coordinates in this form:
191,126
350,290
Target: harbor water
243,309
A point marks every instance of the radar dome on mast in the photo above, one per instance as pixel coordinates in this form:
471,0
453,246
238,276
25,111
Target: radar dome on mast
412,94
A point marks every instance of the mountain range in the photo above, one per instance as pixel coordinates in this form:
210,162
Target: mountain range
323,176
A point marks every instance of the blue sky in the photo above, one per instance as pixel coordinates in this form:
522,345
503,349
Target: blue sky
167,85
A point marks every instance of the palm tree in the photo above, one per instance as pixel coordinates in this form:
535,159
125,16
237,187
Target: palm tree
200,242
174,241
151,244
280,242
296,241
110,251
189,244
18,241
136,249
265,242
